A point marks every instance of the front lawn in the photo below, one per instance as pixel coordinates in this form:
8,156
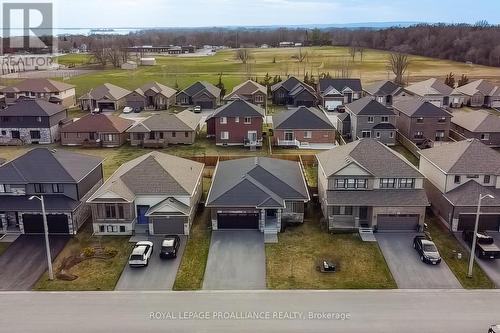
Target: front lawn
93,274
447,243
291,264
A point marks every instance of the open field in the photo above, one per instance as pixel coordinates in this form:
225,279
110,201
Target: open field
180,72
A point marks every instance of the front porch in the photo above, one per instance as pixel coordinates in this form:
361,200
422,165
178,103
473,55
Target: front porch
349,218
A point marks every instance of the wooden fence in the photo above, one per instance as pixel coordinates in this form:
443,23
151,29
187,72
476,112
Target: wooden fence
408,144
211,160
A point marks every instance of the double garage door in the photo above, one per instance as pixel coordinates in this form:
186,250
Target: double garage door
168,225
397,222
205,104
486,222
238,221
332,105
57,223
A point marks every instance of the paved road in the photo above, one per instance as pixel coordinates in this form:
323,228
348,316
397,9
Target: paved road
24,261
236,261
456,311
406,267
159,275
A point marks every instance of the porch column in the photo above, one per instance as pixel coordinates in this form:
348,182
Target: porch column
262,220
356,221
3,219
278,221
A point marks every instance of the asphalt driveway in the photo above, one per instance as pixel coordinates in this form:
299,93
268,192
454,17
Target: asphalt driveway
24,261
236,261
406,267
158,275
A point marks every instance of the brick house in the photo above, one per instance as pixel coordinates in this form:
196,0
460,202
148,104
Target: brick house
52,91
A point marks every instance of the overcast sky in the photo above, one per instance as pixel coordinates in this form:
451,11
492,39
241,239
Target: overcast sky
189,13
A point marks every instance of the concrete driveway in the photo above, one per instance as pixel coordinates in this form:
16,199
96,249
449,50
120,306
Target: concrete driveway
24,261
406,267
159,275
236,261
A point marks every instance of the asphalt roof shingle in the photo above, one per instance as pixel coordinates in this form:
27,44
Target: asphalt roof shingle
340,84
302,118
477,121
100,123
238,108
415,107
368,106
166,121
108,91
382,88
430,87
32,108
39,86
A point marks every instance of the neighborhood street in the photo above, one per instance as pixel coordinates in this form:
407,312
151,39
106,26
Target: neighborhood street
405,311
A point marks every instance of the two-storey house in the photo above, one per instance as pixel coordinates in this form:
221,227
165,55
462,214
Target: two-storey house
250,91
383,91
334,92
456,174
366,184
64,179
153,194
52,91
480,124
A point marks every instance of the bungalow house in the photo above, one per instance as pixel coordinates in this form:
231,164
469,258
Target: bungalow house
152,95
200,93
163,129
303,128
257,193
238,123
52,91
249,91
366,184
422,122
31,121
370,119
65,179
479,124
153,194
437,93
456,174
481,93
105,97
383,91
336,92
293,92
96,130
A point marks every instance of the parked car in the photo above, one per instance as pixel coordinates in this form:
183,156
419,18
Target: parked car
197,109
494,329
485,244
128,109
141,253
341,109
170,246
427,250
137,110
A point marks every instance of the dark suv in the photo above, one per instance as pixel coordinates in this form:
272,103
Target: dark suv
169,247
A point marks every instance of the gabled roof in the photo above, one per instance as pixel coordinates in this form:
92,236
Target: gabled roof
368,106
257,182
378,198
382,88
464,157
39,86
302,118
100,123
468,193
171,203
415,107
476,121
32,108
369,154
41,165
238,108
340,84
484,87
430,87
200,86
248,87
166,121
152,173
292,84
157,88
106,91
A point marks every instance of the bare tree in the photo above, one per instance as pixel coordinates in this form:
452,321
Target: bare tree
361,51
352,52
99,55
398,63
243,55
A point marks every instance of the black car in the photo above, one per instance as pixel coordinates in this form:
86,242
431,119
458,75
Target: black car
427,250
137,110
170,246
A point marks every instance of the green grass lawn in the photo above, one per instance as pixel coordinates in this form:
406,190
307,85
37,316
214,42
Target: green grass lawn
291,264
75,59
447,243
3,247
93,274
192,269
311,174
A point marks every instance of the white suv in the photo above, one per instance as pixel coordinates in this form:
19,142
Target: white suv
140,254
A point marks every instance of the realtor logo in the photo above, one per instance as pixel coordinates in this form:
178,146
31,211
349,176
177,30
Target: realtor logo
28,27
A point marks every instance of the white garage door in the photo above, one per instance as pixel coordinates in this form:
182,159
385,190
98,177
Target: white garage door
495,104
436,102
332,105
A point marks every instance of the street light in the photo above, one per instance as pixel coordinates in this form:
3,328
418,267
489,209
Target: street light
474,237
46,232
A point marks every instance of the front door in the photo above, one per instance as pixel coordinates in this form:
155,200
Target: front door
252,136
12,222
15,135
363,213
141,215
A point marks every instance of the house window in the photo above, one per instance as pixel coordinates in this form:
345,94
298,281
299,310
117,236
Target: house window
361,183
457,180
110,137
35,134
4,188
366,134
4,132
418,135
101,228
336,210
174,134
120,212
237,119
39,119
248,120
387,183
110,211
39,188
439,135
224,135
161,135
486,179
377,135
391,135
407,183
420,120
485,136
342,210
442,120
351,183
339,183
385,119
307,135
380,99
122,228
57,188
223,120
186,134
111,228
259,98
348,210
370,119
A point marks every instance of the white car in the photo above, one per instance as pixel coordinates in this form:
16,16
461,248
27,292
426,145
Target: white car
128,109
197,109
140,254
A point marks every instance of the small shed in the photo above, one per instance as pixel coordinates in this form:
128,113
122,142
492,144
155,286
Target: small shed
148,61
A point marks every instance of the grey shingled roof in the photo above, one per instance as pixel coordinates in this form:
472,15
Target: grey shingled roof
41,165
468,195
368,106
415,107
340,84
288,84
484,87
248,87
256,181
108,91
380,198
238,108
166,121
464,157
39,86
302,118
200,86
480,121
101,123
382,88
370,154
32,108
430,87
157,88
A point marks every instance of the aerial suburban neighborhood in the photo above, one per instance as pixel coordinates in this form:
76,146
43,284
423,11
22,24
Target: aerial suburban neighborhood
250,167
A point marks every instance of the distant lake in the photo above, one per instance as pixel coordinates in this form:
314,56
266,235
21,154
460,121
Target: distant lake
82,31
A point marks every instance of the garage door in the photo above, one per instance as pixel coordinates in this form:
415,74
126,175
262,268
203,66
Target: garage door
305,103
486,222
57,223
205,104
136,104
106,106
238,220
397,222
436,103
168,225
332,105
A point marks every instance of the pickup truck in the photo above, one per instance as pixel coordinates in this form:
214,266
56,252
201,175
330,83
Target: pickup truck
485,245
